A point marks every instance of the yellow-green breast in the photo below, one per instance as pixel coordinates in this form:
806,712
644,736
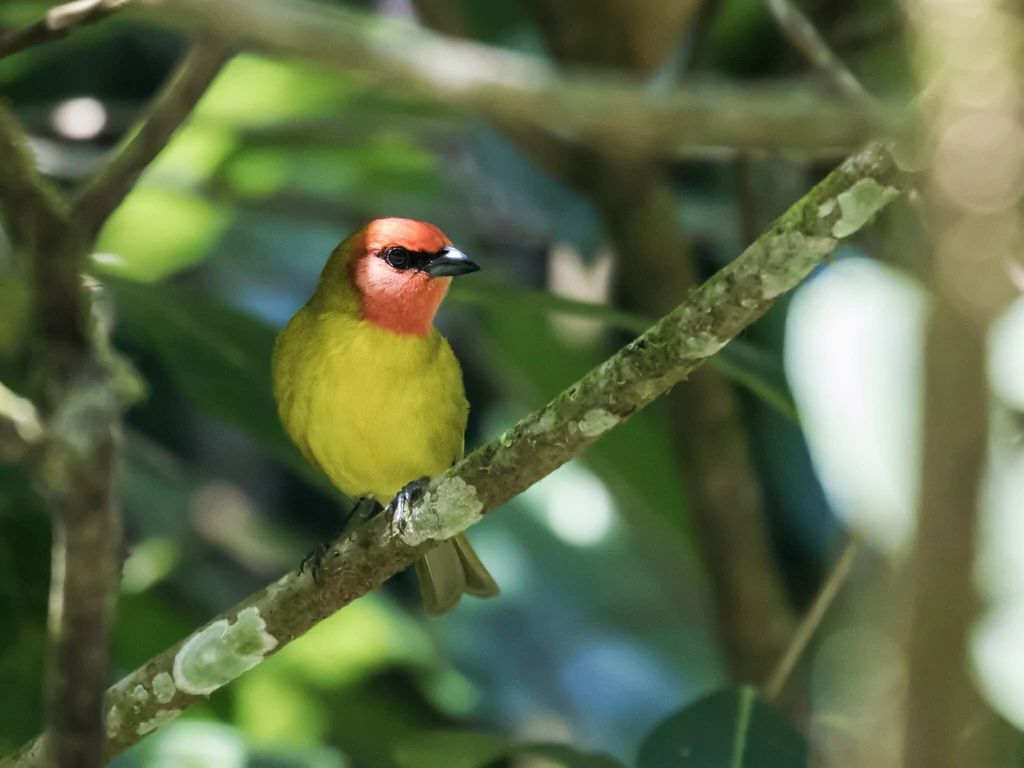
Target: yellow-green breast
371,408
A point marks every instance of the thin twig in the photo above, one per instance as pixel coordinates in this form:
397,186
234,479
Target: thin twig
812,620
516,90
361,560
803,34
58,23
102,193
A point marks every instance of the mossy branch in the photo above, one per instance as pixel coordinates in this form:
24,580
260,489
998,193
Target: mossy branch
362,560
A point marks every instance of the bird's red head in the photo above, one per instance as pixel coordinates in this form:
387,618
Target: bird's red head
401,269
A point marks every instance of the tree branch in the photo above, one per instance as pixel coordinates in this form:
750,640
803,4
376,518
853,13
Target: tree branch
73,464
361,560
82,388
58,23
28,204
802,33
515,90
101,194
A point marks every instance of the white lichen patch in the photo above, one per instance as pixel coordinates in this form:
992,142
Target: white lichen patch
541,426
280,585
160,719
826,208
448,509
163,687
700,346
859,204
221,652
597,421
114,721
139,695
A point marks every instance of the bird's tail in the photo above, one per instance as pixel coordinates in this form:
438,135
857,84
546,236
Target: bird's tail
449,570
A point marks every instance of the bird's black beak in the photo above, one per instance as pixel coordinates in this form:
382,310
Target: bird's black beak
449,263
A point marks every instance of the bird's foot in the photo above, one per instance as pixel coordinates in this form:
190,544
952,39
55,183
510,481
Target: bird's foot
397,511
314,562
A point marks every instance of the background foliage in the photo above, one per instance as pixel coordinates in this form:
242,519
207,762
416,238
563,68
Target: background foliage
605,627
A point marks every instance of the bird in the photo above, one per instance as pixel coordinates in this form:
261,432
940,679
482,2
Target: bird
371,392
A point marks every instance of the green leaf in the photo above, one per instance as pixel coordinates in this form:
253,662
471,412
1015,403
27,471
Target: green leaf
452,749
218,356
155,233
731,728
569,756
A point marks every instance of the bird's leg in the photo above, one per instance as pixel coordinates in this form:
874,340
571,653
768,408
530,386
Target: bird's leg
314,559
398,510
366,508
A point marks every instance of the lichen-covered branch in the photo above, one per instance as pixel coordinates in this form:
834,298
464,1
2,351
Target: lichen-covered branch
59,22
361,560
511,89
101,194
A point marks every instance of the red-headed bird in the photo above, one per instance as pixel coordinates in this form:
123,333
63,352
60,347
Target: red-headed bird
371,392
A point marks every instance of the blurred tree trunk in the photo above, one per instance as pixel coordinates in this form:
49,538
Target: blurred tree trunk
656,269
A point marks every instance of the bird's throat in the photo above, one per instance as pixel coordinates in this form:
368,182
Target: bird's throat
406,308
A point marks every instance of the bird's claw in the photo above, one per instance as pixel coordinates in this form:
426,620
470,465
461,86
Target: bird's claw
397,511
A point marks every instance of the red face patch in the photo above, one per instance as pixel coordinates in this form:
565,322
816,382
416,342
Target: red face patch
401,301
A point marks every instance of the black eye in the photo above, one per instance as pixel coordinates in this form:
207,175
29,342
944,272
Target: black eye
397,257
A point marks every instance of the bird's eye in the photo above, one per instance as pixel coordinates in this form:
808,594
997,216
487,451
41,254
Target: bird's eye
397,257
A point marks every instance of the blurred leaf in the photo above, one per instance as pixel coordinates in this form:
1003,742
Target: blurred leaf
377,172
760,372
195,152
15,303
728,729
218,356
24,587
635,459
155,233
569,756
253,90
452,749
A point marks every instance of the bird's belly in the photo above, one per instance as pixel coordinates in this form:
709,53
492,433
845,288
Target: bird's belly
374,428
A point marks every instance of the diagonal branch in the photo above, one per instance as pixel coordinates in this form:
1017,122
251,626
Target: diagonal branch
58,23
101,194
803,34
360,561
514,90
